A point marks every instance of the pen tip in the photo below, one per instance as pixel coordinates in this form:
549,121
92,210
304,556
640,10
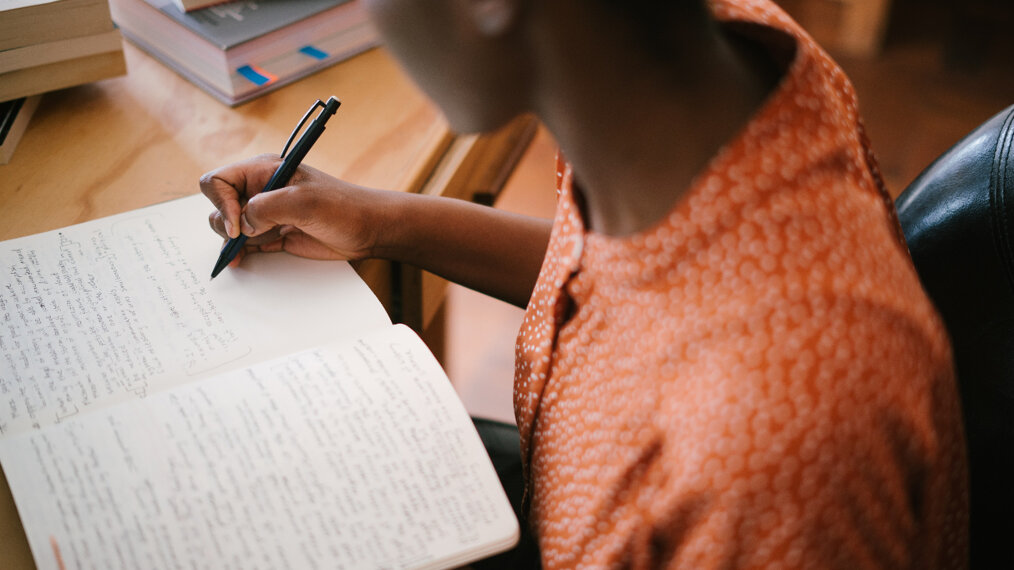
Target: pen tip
220,265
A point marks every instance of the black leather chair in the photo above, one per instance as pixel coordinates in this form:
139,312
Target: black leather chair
958,219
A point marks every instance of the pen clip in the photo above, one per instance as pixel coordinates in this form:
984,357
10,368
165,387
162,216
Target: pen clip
299,127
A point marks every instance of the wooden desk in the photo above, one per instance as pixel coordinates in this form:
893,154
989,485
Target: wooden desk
146,137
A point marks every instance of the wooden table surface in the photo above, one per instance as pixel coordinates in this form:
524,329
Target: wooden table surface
143,138
146,137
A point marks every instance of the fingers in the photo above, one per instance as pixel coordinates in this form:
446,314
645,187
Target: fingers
301,218
283,208
225,197
274,240
275,243
229,187
222,226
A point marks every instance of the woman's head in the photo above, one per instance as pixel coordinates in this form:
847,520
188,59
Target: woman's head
483,61
461,52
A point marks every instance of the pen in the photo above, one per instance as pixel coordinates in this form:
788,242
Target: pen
286,169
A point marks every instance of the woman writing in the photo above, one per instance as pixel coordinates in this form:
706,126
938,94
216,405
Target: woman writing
727,359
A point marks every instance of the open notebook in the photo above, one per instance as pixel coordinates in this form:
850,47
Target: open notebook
271,418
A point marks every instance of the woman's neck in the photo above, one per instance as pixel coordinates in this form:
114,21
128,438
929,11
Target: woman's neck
639,131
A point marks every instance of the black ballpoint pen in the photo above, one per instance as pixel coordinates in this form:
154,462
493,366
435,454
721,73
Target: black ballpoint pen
285,170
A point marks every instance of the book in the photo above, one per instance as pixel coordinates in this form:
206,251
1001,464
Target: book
61,74
60,50
53,44
29,22
240,50
272,418
14,118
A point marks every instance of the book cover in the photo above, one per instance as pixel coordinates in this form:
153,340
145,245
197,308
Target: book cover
229,25
248,82
59,50
28,22
61,74
253,67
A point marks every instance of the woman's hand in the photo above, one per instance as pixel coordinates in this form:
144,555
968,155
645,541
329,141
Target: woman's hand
318,216
315,215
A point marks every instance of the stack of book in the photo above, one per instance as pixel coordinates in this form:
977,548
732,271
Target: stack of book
52,44
47,45
239,50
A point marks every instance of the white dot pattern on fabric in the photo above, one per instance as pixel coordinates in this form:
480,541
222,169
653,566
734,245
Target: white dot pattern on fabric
756,382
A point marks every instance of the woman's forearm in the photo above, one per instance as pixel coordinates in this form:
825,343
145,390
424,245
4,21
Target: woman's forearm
491,251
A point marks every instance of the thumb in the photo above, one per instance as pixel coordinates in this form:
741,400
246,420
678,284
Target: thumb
269,210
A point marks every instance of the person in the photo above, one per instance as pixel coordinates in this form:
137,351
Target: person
727,359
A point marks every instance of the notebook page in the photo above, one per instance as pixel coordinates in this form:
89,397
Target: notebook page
351,456
123,307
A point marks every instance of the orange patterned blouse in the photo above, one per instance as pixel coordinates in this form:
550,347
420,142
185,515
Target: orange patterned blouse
758,381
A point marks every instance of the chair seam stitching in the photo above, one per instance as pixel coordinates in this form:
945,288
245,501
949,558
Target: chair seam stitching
998,198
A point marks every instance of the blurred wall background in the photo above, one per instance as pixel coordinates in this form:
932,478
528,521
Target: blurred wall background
927,71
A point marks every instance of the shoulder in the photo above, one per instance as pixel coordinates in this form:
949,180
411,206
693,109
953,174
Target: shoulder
831,452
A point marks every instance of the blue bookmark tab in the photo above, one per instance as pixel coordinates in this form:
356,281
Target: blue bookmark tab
313,52
253,75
